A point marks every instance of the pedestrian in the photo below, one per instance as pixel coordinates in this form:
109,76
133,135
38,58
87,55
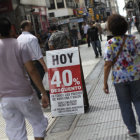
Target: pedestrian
121,54
29,40
17,98
74,36
98,25
58,39
92,34
129,25
85,29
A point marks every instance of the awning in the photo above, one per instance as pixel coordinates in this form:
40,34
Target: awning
76,20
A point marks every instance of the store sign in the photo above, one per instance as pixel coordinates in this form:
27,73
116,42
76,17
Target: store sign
35,2
66,91
5,6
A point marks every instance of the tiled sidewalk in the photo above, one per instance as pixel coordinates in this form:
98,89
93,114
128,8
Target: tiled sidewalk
103,121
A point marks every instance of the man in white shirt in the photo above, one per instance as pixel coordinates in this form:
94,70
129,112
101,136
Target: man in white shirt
26,38
32,42
85,29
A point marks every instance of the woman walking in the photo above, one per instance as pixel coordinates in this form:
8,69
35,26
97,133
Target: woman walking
122,55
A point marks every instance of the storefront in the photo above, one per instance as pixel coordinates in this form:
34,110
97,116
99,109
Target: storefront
36,12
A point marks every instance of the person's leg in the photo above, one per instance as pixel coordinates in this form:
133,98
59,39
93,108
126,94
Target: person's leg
100,36
73,42
15,122
31,109
98,44
77,42
136,96
88,40
125,103
94,48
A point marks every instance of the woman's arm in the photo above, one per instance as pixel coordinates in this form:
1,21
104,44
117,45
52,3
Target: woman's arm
107,68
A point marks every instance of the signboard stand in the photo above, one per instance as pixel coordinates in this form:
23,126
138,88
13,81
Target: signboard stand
86,101
67,88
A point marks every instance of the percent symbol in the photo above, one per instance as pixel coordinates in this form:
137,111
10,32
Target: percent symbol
75,80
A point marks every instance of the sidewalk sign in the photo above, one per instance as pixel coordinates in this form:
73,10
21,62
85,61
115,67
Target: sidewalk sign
65,83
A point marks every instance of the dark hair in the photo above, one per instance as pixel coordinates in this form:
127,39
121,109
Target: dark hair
5,27
24,24
53,27
117,24
73,26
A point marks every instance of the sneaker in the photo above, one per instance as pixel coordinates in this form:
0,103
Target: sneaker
96,56
101,54
132,134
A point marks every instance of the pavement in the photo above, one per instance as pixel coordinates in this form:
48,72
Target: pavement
103,120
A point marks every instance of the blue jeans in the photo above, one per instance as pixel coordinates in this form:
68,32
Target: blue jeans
97,47
75,42
128,93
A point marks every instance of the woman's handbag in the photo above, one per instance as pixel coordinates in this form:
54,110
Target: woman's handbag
121,48
137,58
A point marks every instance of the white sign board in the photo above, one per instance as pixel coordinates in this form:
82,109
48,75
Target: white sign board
65,84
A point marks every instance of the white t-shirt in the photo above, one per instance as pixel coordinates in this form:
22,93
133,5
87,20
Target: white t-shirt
85,27
13,79
31,41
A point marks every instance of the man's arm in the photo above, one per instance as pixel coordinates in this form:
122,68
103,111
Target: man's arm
107,68
32,71
37,54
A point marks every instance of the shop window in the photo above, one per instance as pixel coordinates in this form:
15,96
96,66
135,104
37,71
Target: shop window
60,3
70,4
52,5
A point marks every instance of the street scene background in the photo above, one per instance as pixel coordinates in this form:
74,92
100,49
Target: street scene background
103,120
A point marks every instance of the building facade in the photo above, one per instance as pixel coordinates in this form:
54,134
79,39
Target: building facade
33,10
36,11
114,6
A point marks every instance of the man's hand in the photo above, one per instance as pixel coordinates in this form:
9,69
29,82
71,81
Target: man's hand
106,89
45,101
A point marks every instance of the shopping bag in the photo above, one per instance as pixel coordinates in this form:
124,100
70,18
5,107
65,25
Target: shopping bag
46,81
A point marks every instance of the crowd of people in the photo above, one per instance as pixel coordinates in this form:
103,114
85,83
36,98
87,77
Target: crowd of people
22,61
